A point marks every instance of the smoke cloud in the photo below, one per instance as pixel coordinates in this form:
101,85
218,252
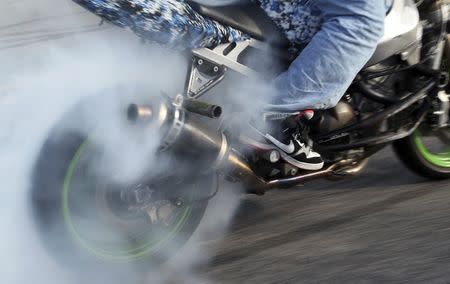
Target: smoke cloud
53,55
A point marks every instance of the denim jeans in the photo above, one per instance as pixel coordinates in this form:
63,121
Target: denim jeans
336,39
347,38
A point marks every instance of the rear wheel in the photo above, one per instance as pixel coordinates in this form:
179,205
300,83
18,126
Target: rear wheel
87,217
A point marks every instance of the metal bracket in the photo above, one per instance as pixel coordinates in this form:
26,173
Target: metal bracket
210,65
204,75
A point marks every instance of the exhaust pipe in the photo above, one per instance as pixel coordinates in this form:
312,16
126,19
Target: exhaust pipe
190,139
210,149
136,113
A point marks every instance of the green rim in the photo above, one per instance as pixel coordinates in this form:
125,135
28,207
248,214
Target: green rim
441,160
129,255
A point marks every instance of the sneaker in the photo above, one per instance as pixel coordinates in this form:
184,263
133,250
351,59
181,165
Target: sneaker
294,145
297,152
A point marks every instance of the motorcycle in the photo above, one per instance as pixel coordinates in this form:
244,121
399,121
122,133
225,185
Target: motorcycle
400,98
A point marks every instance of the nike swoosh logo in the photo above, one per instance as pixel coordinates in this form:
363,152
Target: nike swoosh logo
289,149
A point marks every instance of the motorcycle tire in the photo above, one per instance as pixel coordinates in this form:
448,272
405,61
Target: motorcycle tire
56,180
414,153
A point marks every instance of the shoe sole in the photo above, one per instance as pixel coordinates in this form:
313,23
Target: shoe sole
301,165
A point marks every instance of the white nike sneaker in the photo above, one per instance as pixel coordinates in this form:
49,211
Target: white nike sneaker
294,149
298,153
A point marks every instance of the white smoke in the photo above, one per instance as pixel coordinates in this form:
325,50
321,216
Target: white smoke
52,55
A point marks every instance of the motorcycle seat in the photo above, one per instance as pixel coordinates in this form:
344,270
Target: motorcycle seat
246,16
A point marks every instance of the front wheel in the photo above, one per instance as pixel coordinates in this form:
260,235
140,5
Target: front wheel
426,152
89,219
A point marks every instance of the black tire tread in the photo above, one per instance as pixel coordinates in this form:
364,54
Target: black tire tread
45,200
408,153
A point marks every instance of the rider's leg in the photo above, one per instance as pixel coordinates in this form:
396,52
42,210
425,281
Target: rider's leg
325,68
172,23
318,78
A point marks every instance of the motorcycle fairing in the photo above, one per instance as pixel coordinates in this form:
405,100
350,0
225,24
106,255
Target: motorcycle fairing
402,32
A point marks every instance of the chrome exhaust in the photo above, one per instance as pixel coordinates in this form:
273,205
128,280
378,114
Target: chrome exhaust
210,149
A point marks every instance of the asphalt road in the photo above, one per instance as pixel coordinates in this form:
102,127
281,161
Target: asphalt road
387,225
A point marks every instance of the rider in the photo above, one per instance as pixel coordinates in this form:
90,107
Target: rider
336,39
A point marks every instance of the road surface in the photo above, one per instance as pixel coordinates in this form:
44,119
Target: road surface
387,225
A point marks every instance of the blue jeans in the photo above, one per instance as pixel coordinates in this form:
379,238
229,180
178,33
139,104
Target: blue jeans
336,37
320,75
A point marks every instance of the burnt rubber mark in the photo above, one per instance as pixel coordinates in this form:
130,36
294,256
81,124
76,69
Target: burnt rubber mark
43,32
50,38
41,19
316,228
4,41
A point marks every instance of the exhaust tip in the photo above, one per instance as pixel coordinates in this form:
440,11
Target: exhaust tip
135,113
203,108
132,112
216,112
